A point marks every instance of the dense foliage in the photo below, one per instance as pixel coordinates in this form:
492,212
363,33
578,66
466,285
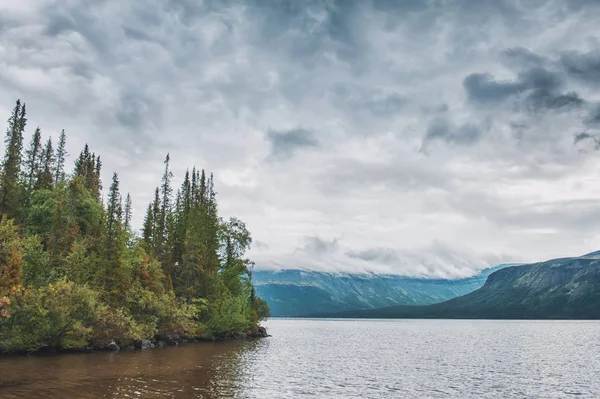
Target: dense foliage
73,272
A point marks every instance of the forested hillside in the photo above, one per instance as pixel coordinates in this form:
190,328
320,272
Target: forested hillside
74,273
567,288
303,292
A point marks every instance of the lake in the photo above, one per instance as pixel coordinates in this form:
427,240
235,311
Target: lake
336,359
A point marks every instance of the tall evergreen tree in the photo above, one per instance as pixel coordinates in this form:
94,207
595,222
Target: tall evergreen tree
61,154
165,210
127,216
87,169
10,189
45,178
114,211
33,157
156,225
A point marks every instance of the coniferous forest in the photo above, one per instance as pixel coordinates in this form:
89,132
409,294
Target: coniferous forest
74,273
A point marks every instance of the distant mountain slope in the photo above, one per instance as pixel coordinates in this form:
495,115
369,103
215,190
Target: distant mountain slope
567,288
300,293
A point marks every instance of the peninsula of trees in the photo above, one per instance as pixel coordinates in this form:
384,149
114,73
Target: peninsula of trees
74,273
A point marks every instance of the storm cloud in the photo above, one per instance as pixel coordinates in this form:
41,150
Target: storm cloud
285,143
418,138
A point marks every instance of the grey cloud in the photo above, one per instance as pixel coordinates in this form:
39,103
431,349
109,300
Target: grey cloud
285,143
583,66
261,245
581,136
593,118
481,87
522,57
317,246
81,19
444,130
384,255
546,100
366,103
386,105
536,88
585,137
136,110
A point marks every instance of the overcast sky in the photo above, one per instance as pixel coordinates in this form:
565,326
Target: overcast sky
428,138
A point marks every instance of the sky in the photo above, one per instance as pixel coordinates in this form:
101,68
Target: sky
421,138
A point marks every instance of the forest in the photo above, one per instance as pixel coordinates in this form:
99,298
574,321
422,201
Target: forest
75,273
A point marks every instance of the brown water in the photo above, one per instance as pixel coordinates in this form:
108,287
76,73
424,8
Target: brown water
336,359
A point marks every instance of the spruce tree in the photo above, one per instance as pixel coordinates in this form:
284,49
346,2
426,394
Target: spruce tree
156,224
165,210
10,188
32,160
61,154
127,216
148,228
45,178
114,210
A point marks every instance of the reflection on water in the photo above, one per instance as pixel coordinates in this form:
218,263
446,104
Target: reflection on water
336,359
203,370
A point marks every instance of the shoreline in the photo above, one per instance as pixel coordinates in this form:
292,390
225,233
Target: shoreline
143,344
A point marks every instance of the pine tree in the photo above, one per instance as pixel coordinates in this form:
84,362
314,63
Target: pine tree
115,278
156,225
33,160
148,228
193,188
165,210
61,154
96,181
10,189
87,169
46,172
114,210
203,197
127,217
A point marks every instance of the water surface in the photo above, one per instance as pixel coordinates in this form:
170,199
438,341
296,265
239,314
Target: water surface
336,359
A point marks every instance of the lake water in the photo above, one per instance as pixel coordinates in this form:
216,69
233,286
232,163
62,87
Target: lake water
336,359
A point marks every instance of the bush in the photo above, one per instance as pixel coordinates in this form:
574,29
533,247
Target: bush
60,316
36,263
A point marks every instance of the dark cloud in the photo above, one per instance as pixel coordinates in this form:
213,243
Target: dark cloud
284,143
583,66
523,58
481,87
137,110
442,129
317,246
82,19
589,139
536,89
582,137
381,255
593,119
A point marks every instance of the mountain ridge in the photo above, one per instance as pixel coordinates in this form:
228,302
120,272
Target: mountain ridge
563,288
297,292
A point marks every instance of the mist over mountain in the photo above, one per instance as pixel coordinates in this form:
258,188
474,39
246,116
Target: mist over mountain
565,288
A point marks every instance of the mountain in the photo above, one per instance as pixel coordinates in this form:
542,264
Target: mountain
567,288
301,292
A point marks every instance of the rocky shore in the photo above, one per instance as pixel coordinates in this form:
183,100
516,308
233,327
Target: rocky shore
145,344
